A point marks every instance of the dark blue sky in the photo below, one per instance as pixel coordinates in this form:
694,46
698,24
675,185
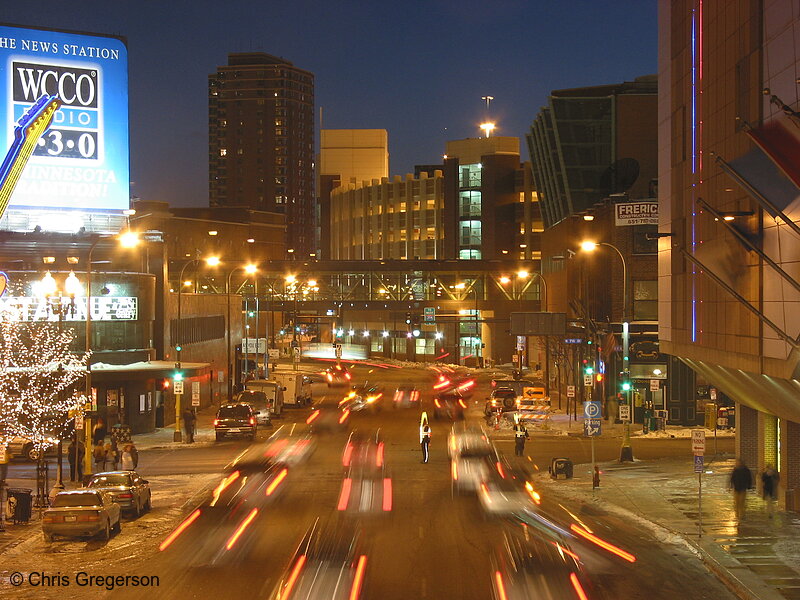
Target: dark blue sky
417,69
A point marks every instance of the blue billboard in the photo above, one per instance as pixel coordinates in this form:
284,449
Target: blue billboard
81,163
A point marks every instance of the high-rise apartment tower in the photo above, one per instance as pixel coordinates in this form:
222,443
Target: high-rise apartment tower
261,142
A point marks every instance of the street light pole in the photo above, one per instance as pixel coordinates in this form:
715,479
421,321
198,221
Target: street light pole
626,452
250,270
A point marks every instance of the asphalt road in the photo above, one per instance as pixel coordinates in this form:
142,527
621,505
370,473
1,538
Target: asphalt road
432,544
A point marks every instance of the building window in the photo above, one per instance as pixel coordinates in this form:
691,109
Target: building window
469,254
470,204
645,300
470,233
641,243
223,152
470,176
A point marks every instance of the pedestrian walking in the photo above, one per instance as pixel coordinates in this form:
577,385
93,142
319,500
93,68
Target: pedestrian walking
188,425
425,439
75,454
99,454
112,459
99,432
741,480
769,488
134,454
127,458
520,435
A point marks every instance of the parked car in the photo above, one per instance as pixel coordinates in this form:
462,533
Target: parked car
236,420
258,402
81,513
126,488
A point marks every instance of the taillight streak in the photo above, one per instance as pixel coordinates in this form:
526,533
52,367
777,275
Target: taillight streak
442,384
252,420
224,484
240,530
344,416
467,385
292,577
276,447
387,494
277,481
359,577
567,551
379,455
485,492
179,530
311,417
461,403
578,587
602,543
344,496
533,493
436,402
348,455
501,587
500,469
454,470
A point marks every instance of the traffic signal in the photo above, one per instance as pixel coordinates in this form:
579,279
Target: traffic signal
251,313
178,376
626,386
587,368
408,318
598,378
165,384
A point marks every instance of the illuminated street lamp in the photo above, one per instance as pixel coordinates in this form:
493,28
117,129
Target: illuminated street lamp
487,128
211,261
250,269
626,452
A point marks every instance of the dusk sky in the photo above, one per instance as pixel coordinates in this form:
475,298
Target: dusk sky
417,69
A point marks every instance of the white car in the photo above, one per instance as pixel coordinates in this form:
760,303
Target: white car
22,447
504,495
472,459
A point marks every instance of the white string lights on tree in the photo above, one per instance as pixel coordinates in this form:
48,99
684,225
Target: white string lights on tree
37,376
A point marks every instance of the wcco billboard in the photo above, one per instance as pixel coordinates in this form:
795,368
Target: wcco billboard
81,163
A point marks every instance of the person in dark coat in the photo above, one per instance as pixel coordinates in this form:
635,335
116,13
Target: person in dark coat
188,424
75,455
741,481
769,488
520,435
99,432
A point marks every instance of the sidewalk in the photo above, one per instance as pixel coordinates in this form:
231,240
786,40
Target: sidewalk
163,436
757,558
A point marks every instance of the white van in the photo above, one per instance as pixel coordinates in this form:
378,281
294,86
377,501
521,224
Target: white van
296,387
273,393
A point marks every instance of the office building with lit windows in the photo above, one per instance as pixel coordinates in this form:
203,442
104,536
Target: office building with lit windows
261,142
478,205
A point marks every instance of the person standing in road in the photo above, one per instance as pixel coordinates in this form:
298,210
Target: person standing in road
769,488
99,432
99,454
741,480
127,458
520,435
188,425
425,439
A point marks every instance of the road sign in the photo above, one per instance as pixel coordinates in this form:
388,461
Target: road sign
624,412
195,401
698,442
573,341
591,409
570,391
338,351
3,454
273,353
591,427
79,421
698,463
429,314
177,386
195,391
521,343
655,385
588,380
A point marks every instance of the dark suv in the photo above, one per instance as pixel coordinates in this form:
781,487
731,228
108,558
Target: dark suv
502,398
235,420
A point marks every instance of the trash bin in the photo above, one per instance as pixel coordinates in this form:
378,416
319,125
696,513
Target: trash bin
21,501
561,466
